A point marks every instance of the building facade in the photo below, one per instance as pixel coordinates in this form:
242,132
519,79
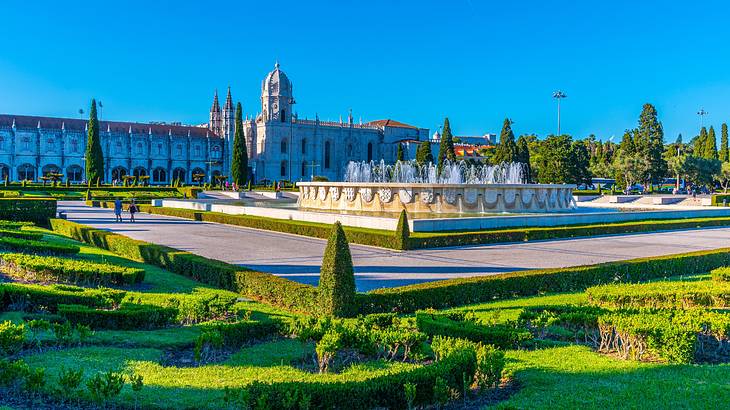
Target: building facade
280,145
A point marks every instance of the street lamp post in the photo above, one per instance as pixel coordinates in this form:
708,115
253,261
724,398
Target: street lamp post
291,134
559,95
702,114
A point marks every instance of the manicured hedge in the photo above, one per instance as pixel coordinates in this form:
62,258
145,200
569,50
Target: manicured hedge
718,199
129,316
721,274
464,291
36,210
260,286
373,237
18,296
500,335
445,239
38,247
235,335
361,392
12,233
673,294
69,270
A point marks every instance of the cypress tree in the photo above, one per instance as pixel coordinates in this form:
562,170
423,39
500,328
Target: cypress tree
239,166
423,154
649,142
523,156
402,232
399,156
337,277
724,155
710,151
506,149
94,156
627,144
446,149
698,147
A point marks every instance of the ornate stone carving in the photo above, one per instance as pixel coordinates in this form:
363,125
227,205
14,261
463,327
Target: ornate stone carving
426,196
405,195
470,196
349,193
385,194
450,195
335,193
526,195
366,194
321,193
510,195
491,196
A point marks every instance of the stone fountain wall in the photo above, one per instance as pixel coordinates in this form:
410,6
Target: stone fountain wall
435,198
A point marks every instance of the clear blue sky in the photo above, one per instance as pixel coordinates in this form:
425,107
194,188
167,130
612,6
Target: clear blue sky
475,62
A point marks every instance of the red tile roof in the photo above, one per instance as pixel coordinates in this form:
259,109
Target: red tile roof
390,123
75,124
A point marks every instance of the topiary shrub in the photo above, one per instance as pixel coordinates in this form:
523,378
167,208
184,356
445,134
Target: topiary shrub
337,277
402,232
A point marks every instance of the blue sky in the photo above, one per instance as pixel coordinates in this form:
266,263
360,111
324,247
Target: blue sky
417,62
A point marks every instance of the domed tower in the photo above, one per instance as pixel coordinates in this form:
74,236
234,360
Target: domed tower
277,97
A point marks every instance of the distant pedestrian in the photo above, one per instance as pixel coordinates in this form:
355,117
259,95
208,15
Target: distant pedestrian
132,210
118,210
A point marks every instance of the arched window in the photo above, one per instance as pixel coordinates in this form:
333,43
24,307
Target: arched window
159,149
304,146
370,151
26,172
118,173
51,145
140,172
197,150
159,175
179,175
178,149
26,144
74,145
118,146
283,147
74,173
4,172
327,155
140,149
215,151
283,168
50,169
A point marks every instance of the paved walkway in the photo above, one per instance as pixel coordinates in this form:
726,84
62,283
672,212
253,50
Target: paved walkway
299,258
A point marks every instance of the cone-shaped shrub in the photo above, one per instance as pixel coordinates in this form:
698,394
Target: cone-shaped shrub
337,277
402,232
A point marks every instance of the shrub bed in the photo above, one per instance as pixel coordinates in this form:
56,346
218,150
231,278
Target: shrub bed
129,316
36,210
11,233
673,294
721,274
235,335
69,270
464,291
720,199
34,246
260,286
504,336
17,296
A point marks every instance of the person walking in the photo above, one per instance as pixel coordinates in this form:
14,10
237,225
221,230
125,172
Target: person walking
118,210
132,210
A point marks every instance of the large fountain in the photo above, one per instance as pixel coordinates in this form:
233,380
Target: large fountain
460,187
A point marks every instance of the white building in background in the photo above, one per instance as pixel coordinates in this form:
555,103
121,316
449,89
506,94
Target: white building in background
280,145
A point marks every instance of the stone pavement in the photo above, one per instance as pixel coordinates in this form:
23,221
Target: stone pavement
299,258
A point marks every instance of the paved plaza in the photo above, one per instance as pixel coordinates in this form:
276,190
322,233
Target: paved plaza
299,258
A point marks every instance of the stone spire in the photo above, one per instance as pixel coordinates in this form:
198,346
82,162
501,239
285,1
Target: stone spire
229,101
215,107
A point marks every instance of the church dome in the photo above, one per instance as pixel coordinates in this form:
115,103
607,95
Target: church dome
276,83
436,136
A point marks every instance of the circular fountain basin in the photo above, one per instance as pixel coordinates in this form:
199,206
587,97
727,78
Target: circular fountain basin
435,198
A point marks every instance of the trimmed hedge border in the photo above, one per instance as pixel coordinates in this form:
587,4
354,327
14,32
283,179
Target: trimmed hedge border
465,291
69,270
420,240
129,316
260,286
721,274
38,247
36,210
500,335
22,296
669,294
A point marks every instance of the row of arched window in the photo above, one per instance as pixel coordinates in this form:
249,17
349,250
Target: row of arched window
75,173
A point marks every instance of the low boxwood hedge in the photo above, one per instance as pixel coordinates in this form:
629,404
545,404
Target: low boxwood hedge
20,296
37,247
235,335
671,294
13,233
464,291
500,335
129,316
36,210
69,270
260,286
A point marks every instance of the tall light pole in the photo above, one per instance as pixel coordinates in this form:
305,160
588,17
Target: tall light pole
291,133
702,114
101,111
559,95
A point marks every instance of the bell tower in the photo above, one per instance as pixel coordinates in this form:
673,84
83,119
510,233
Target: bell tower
277,97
